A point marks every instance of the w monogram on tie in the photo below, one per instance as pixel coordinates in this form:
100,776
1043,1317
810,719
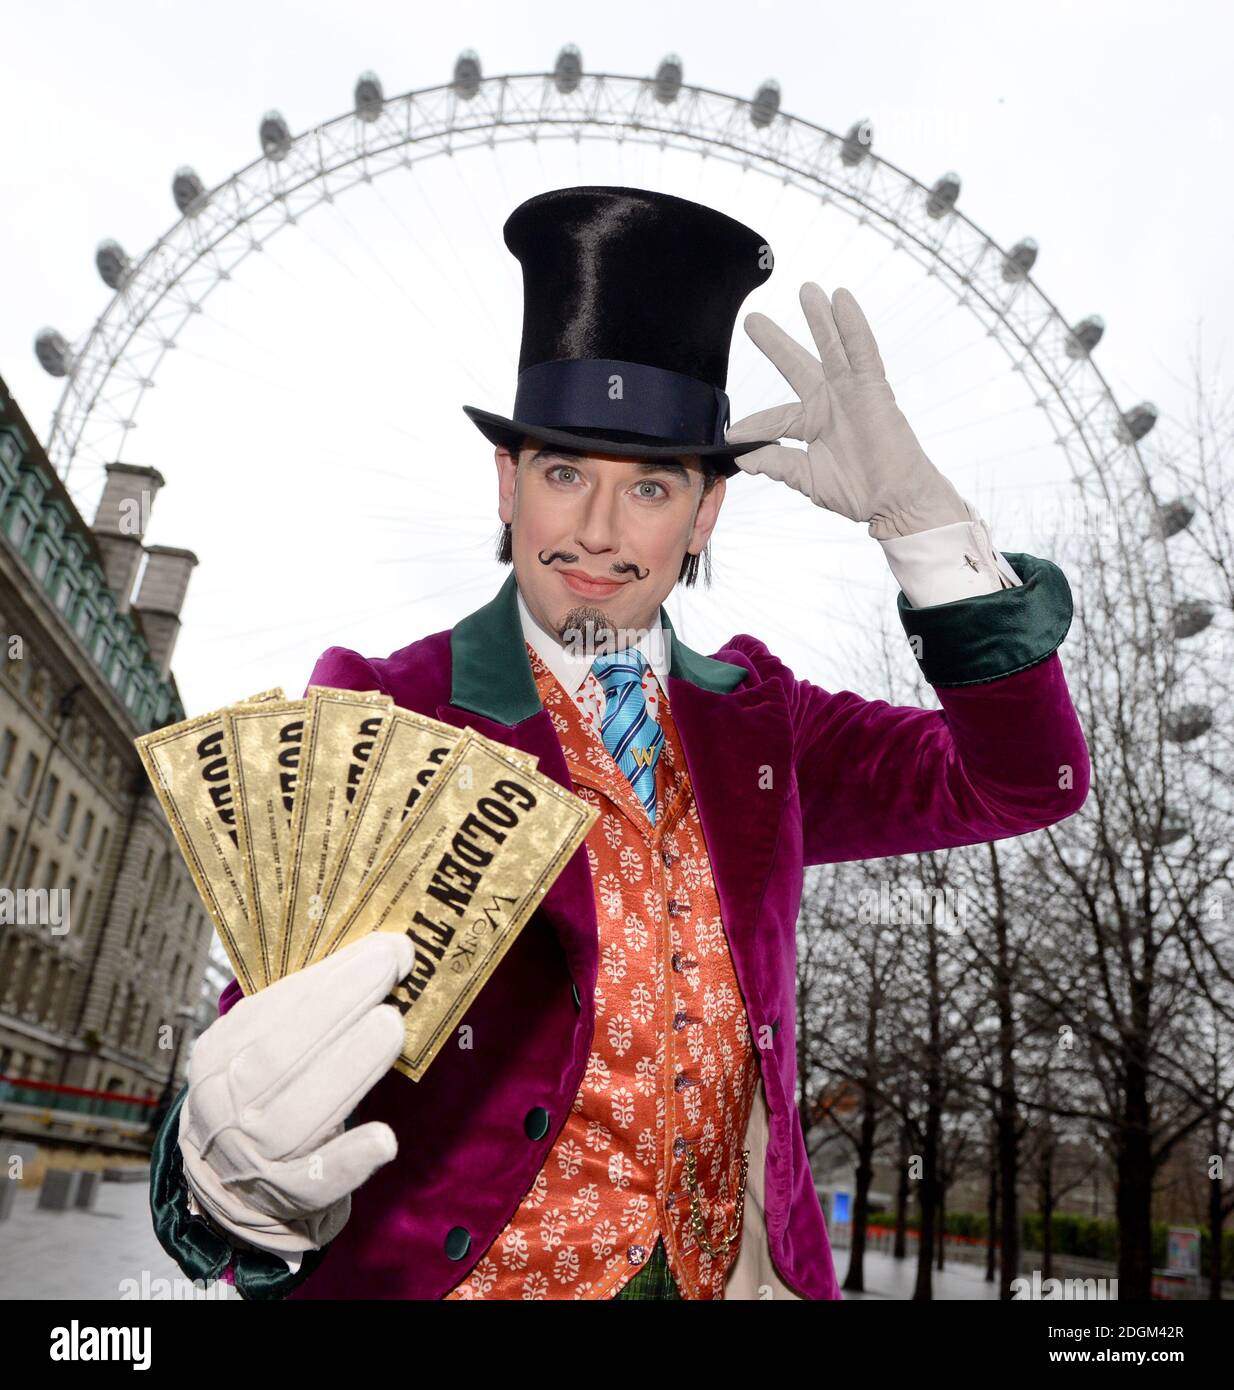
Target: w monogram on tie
630,734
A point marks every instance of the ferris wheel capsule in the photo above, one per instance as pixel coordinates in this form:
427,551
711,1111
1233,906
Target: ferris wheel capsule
275,135
467,74
1135,423
1175,516
1084,336
1191,616
188,191
368,96
1174,825
112,264
857,142
1188,723
54,354
668,79
942,197
568,69
1020,259
766,104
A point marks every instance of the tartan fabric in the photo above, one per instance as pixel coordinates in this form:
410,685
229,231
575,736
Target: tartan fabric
655,1279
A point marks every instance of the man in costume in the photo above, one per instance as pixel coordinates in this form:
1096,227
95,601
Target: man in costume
619,1116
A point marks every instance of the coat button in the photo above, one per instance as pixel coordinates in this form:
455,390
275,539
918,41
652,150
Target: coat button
536,1122
458,1242
578,1003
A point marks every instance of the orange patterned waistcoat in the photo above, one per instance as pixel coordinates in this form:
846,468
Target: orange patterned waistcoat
671,1063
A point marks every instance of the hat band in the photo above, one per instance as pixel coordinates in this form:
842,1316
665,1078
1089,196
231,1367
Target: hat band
605,393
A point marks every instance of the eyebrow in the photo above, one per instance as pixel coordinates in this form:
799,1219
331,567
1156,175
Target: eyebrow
646,465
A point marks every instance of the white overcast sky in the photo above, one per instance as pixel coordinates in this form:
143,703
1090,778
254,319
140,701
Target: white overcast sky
309,427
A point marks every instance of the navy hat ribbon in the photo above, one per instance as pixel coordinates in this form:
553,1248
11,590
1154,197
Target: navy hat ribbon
574,393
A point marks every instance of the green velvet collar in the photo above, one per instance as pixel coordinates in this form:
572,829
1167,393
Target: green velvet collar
492,676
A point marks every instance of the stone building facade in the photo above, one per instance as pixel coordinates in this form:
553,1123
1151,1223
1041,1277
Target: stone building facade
103,939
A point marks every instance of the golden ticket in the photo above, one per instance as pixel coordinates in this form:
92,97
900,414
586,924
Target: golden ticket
341,729
188,770
399,770
462,875
262,744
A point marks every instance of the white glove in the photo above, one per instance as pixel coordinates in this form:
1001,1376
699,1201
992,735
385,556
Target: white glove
862,459
262,1137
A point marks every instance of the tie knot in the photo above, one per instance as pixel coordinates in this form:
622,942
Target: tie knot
617,669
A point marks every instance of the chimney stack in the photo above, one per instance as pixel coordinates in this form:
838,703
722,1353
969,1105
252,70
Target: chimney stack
120,523
163,586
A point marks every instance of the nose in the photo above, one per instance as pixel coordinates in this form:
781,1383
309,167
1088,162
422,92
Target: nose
599,525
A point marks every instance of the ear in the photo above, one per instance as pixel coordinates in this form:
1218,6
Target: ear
507,472
706,517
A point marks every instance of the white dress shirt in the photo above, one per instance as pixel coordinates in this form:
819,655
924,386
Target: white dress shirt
947,563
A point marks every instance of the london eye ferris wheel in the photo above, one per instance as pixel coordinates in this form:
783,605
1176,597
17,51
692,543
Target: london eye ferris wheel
314,326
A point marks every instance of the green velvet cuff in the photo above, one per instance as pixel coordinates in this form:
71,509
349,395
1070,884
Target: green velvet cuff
973,640
200,1251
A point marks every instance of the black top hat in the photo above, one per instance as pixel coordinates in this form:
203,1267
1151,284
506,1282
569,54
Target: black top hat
629,302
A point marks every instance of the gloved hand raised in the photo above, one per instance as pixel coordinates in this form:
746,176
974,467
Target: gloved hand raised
262,1137
862,459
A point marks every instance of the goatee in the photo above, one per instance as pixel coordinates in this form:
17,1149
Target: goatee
587,631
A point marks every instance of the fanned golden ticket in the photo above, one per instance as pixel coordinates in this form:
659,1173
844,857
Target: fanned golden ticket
309,823
262,743
461,876
341,729
399,770
188,770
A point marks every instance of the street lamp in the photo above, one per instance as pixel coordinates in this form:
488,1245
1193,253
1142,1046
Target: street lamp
184,1017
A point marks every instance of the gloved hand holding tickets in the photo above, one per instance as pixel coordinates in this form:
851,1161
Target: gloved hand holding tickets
270,1085
315,830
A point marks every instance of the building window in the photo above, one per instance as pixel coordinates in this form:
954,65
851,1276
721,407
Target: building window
70,810
8,746
28,773
31,863
6,852
53,873
87,829
50,789
102,849
64,593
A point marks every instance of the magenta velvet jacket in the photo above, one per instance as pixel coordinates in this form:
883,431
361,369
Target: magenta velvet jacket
785,774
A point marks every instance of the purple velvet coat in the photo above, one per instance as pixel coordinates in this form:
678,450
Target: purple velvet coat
785,774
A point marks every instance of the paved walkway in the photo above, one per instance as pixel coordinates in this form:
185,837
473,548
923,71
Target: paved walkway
109,1252
887,1277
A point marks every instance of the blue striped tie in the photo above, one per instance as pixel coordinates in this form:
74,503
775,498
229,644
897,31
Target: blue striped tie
630,734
